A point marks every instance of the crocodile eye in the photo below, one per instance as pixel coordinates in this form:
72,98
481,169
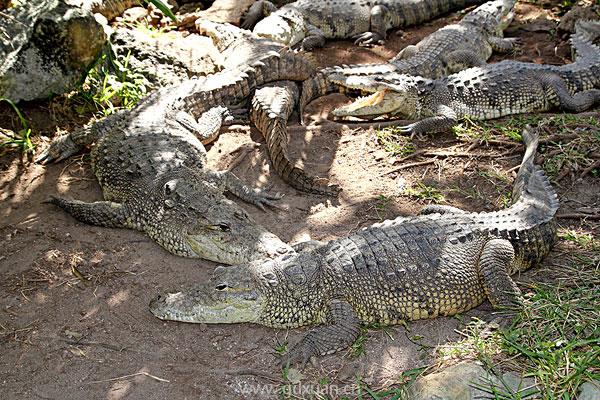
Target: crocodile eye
223,227
170,187
221,286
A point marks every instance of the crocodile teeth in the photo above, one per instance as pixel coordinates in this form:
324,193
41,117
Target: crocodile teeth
371,100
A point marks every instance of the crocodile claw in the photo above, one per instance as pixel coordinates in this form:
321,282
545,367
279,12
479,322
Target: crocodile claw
368,38
262,199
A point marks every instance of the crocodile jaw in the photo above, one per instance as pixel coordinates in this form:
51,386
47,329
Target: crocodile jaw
203,305
379,103
289,29
246,244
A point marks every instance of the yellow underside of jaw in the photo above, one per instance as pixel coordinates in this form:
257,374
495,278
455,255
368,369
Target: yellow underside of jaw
371,100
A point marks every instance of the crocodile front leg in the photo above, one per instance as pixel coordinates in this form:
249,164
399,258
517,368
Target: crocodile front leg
341,329
379,18
100,213
494,266
314,38
208,126
226,180
257,11
503,45
444,119
459,60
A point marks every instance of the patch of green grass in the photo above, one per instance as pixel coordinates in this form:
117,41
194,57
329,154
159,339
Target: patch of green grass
381,206
150,30
557,336
396,392
585,240
423,192
111,85
23,140
281,348
393,143
480,343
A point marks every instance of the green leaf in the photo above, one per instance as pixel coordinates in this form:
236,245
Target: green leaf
163,7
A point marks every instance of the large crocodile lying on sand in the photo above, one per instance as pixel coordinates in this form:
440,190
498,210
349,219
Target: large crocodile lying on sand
367,21
448,50
442,262
485,92
151,164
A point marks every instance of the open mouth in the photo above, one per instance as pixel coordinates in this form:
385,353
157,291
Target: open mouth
372,100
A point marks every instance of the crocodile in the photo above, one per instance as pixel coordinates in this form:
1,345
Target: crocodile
448,50
151,164
442,262
308,23
481,93
270,106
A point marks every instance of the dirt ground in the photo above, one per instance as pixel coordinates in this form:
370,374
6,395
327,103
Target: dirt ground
63,337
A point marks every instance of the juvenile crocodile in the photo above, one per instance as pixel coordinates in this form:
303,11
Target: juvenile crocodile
151,165
271,105
441,262
448,50
367,21
486,92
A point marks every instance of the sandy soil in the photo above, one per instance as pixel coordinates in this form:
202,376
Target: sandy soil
64,337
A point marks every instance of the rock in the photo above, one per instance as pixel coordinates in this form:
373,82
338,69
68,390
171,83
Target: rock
135,14
567,22
52,44
221,11
166,58
589,391
465,381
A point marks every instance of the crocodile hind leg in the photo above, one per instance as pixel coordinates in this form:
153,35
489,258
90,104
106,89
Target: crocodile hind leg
99,213
67,145
495,261
556,87
341,329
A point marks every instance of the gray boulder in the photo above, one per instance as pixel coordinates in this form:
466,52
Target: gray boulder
166,58
46,47
589,391
469,381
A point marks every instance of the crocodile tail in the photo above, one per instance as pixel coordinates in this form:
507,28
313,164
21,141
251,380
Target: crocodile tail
312,88
271,108
415,12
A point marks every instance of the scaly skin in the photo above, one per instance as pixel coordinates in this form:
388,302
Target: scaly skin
150,163
309,22
270,106
448,50
442,262
486,92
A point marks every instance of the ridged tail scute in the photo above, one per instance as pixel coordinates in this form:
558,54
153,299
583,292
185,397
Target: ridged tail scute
586,32
534,206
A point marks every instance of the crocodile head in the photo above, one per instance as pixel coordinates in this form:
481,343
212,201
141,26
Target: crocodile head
230,296
493,16
222,35
192,218
388,94
287,28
